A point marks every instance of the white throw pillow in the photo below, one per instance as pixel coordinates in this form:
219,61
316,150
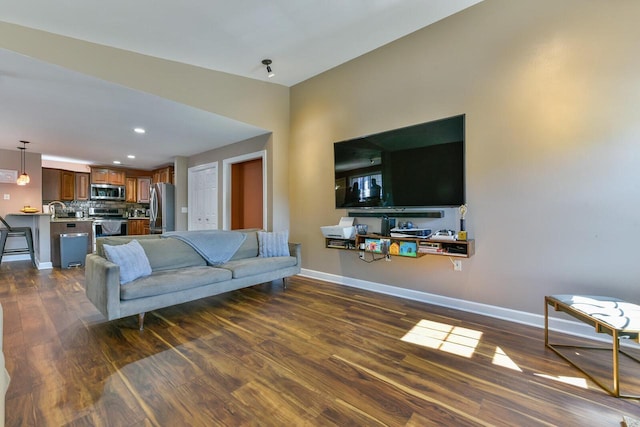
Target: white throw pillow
131,258
271,244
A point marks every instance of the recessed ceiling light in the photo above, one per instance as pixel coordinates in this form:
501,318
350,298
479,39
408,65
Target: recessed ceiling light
131,156
139,130
116,162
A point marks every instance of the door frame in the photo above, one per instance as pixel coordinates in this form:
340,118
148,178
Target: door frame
226,181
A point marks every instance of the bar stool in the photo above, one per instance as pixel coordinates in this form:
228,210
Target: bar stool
9,231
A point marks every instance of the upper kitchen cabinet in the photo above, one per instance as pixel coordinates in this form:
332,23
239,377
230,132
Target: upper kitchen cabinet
138,189
163,175
107,176
68,185
143,190
51,184
59,184
82,186
130,190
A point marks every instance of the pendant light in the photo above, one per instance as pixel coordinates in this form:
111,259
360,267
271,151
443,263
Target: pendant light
23,179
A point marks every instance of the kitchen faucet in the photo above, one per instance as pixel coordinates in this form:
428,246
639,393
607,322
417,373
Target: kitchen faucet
53,211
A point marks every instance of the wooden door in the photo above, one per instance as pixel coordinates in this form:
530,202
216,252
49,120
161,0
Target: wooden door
246,195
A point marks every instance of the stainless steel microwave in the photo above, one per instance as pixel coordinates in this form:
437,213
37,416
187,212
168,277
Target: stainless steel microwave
107,192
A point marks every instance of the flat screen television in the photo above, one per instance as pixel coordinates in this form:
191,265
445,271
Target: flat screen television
419,166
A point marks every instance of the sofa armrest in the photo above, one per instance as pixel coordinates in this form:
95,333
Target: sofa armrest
295,249
102,285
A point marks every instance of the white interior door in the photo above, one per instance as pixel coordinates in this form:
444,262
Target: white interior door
203,197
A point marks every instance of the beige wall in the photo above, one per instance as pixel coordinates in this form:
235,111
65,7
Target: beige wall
255,102
551,93
20,196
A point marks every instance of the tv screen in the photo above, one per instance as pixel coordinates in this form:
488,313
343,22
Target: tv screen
416,166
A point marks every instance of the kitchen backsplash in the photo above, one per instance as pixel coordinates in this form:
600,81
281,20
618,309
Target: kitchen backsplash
84,205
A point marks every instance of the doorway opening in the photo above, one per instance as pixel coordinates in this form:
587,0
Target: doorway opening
245,196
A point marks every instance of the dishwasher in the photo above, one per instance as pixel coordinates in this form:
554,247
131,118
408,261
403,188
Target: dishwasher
73,249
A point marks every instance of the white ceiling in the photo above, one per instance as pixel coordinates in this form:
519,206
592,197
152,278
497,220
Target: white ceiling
67,114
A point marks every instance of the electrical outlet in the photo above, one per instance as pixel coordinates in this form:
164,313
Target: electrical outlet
457,265
7,196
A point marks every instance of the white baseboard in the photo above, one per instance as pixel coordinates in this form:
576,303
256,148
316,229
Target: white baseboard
26,257
522,317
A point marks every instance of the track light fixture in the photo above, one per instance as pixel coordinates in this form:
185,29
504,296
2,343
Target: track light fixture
23,179
267,63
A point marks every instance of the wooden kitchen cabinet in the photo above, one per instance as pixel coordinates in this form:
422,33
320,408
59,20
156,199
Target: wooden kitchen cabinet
143,190
51,184
82,185
138,226
99,176
116,177
131,190
163,175
58,184
67,185
107,176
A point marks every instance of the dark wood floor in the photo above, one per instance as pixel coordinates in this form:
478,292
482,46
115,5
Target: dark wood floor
315,354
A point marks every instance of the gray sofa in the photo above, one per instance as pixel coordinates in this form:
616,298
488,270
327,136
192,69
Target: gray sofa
179,274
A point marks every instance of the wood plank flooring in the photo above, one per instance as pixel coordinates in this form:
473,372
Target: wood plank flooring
315,354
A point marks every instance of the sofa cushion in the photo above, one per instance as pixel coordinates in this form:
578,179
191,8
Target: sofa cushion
252,266
169,281
273,244
131,259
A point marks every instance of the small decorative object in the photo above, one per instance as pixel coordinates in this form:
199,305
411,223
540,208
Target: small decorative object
362,229
394,249
463,212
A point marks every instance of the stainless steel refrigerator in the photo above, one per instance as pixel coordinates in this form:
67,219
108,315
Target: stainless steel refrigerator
162,208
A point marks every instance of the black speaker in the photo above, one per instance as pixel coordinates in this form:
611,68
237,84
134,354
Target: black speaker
387,225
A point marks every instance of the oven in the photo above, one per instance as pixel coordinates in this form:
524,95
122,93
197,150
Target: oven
107,222
109,227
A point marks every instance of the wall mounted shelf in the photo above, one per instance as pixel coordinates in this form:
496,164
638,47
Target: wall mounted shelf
408,247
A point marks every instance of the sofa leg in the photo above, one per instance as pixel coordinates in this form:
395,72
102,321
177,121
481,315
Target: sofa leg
141,321
284,283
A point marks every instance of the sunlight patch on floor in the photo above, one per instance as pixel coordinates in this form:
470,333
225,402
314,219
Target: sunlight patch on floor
575,381
441,336
500,358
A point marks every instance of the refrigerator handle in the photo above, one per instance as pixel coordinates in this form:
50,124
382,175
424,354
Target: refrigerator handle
153,207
